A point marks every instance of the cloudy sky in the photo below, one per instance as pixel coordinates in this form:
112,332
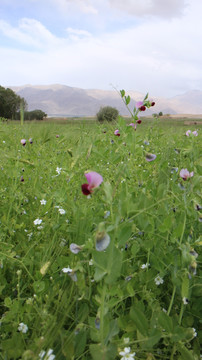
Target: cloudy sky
142,45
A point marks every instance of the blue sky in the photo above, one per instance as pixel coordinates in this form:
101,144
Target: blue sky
142,45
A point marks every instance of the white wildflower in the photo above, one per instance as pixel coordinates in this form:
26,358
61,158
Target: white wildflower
23,328
91,262
158,280
185,301
67,270
145,266
46,356
43,202
194,332
37,222
58,170
126,354
62,211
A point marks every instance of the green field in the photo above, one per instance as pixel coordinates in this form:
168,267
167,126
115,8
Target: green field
133,289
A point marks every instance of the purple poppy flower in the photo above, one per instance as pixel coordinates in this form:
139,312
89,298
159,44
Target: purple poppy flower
116,133
150,157
30,141
138,121
94,180
188,132
23,142
195,133
139,104
131,124
185,174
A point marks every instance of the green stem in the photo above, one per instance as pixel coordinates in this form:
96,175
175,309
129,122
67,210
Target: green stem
182,234
102,314
171,301
181,314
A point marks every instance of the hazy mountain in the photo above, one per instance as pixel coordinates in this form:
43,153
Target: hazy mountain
69,101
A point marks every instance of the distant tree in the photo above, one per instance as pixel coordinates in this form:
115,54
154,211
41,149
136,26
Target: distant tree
32,115
107,113
10,103
37,114
160,113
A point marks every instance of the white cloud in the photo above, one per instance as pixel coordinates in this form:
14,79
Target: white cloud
166,9
160,56
29,32
85,6
76,34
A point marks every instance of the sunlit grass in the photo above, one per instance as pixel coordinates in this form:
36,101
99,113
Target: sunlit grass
148,212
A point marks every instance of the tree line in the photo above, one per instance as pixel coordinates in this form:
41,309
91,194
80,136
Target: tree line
11,104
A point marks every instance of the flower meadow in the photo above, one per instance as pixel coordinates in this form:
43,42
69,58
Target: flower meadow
100,247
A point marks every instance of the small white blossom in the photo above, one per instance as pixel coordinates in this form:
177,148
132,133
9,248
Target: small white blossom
91,262
145,266
40,227
43,202
158,280
62,211
185,301
126,355
46,356
58,170
23,328
67,270
37,222
194,332
126,340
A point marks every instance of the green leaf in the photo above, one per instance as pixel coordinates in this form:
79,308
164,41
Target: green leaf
165,322
139,319
113,330
124,234
186,354
108,192
39,286
185,287
99,352
122,92
127,99
153,338
114,264
80,342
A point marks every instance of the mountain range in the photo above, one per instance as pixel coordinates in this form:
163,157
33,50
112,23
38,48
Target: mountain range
62,100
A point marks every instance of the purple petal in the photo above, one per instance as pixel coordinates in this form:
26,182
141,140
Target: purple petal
102,241
184,174
188,132
139,104
150,157
94,179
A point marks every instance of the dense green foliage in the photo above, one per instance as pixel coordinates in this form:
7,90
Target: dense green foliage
144,291
107,113
10,103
